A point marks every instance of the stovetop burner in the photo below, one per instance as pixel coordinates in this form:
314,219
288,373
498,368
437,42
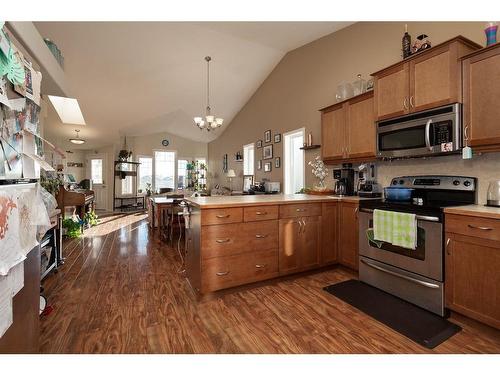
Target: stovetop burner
430,196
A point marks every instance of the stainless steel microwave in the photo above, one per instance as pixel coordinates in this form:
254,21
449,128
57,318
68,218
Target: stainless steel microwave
432,132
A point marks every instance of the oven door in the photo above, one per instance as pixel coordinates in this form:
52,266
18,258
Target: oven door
426,260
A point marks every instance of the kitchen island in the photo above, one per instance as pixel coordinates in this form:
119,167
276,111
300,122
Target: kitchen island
237,240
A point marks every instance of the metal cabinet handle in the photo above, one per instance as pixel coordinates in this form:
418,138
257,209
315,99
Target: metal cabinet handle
260,235
447,246
466,136
222,216
480,228
412,104
222,273
428,134
405,103
222,240
301,209
260,265
300,225
261,213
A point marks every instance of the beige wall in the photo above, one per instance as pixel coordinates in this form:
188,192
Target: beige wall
306,80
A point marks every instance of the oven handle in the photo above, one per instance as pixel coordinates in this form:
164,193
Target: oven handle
413,280
418,217
427,134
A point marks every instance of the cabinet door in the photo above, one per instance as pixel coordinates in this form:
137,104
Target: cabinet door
472,284
361,128
481,95
434,78
290,242
332,133
348,236
392,92
329,233
311,240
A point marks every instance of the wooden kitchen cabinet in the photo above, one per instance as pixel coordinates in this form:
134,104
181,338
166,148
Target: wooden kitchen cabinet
348,235
481,74
329,233
472,277
348,130
299,243
426,80
333,132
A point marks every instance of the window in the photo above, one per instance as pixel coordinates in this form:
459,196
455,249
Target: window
127,183
293,165
248,159
182,173
145,172
96,171
164,169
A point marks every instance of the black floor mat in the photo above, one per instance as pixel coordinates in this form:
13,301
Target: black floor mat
419,325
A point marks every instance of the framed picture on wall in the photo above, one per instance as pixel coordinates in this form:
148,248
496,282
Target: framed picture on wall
267,136
267,166
247,182
277,162
259,143
259,165
267,152
277,138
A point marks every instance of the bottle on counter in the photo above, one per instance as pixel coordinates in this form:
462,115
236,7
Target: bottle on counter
406,42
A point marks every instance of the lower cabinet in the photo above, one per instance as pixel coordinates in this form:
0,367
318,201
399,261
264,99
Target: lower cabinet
348,235
329,233
299,243
472,274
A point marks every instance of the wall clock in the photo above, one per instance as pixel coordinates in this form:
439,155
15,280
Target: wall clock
165,142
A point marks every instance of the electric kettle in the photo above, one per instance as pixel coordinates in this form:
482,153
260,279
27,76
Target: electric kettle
493,196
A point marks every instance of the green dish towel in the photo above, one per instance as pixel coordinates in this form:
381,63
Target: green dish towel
397,228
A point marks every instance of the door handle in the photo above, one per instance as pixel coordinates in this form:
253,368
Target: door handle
222,273
260,213
447,246
480,228
260,265
405,103
413,280
466,136
300,209
427,134
412,104
222,240
222,216
260,235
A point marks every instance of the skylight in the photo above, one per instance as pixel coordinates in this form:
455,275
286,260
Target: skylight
68,110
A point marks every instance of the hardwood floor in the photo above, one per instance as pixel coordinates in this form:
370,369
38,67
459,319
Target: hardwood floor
120,292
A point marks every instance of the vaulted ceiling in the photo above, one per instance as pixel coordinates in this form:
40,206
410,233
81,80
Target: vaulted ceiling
138,78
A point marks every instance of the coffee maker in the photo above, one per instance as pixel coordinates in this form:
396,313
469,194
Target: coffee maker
345,180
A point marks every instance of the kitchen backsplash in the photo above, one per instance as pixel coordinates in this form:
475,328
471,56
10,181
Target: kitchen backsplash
485,167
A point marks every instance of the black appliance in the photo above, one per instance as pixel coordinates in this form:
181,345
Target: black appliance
345,180
415,275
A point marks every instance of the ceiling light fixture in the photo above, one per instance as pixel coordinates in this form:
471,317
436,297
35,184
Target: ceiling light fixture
210,122
77,140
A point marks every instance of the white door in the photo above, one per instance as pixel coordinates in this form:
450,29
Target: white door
293,163
97,165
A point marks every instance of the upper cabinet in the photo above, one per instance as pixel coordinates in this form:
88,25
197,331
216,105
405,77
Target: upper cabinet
348,130
481,74
427,80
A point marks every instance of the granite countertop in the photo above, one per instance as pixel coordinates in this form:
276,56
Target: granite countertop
477,210
259,200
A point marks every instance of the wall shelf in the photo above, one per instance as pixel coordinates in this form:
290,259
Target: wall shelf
311,147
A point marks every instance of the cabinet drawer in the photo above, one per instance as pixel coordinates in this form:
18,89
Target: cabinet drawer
225,272
221,216
473,226
230,239
301,209
259,213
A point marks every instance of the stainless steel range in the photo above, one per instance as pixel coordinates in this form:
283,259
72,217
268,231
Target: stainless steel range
413,275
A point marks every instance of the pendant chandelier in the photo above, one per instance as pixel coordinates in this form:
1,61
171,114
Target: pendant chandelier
210,122
77,140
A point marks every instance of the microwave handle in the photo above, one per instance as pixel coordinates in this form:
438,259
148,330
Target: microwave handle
427,134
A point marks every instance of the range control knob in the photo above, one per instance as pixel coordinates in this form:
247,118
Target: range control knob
467,183
456,182
394,182
401,182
